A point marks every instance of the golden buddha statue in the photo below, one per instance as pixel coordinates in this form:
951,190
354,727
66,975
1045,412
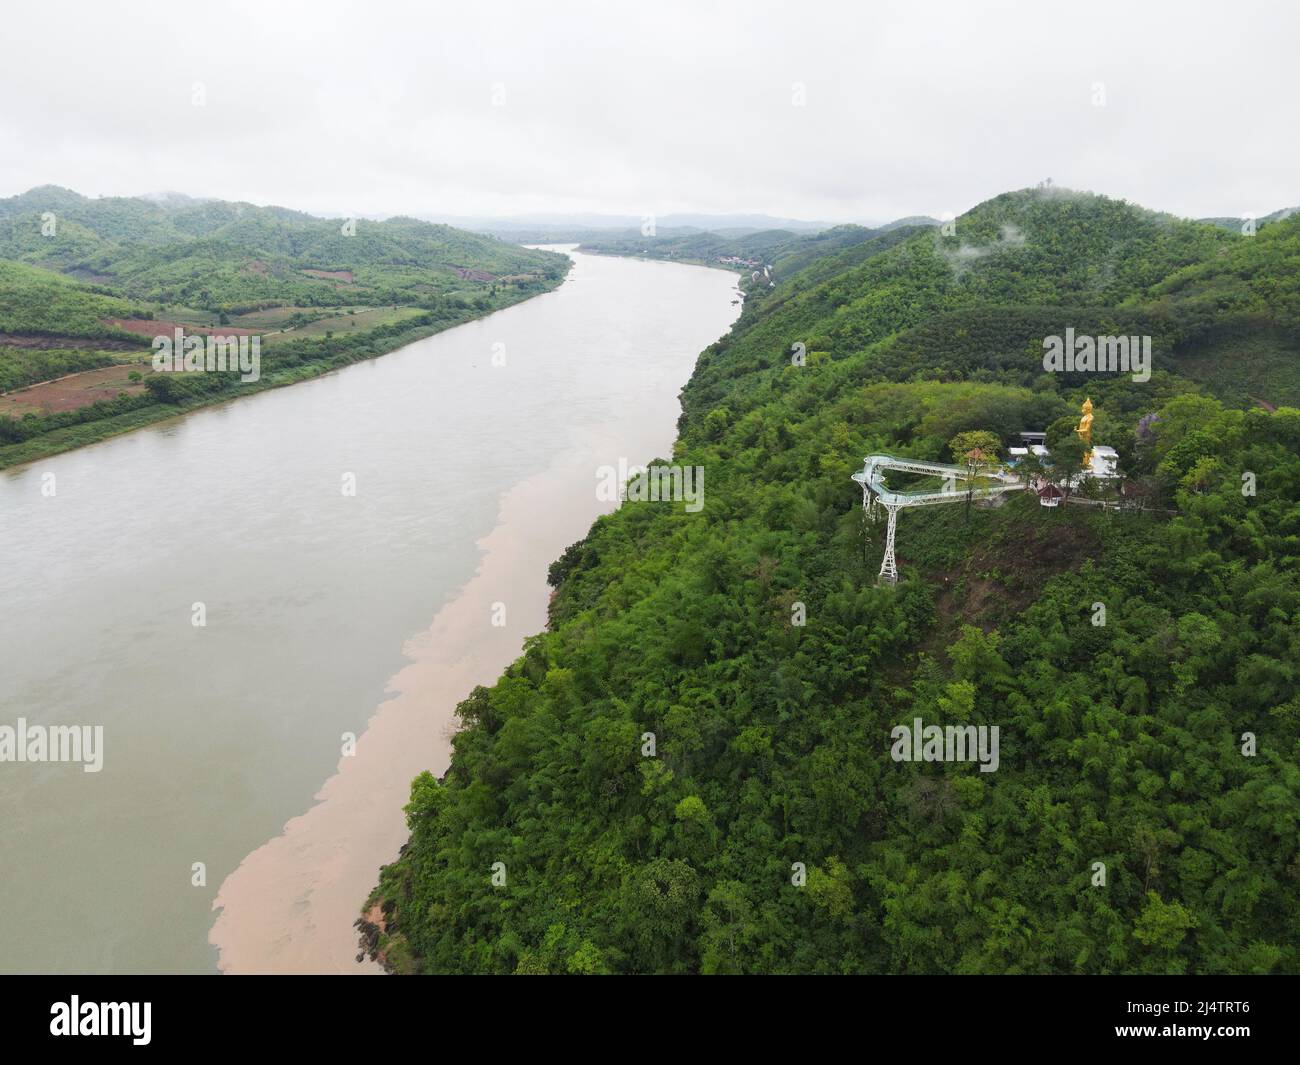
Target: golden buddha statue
1084,429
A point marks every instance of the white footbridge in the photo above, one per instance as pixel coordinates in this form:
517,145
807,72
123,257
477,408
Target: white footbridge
875,493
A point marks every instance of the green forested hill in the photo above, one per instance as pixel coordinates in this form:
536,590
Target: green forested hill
38,301
85,283
1121,743
783,252
235,257
1236,317
702,246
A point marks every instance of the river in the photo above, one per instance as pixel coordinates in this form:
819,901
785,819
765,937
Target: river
232,827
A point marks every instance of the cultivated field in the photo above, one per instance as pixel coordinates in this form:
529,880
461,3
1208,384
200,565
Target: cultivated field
75,390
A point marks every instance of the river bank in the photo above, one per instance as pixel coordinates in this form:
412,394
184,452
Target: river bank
291,905
58,441
323,530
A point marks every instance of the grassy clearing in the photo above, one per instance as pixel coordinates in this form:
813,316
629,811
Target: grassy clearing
278,317
21,367
334,323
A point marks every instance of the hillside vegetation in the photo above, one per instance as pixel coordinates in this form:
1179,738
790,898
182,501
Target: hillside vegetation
85,284
236,257
706,247
655,771
772,252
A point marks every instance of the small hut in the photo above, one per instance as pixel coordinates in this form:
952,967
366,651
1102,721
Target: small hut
1050,496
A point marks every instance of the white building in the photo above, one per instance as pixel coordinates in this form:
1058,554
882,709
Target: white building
1103,466
1105,463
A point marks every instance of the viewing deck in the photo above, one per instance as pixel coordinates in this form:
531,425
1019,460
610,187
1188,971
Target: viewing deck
871,477
875,491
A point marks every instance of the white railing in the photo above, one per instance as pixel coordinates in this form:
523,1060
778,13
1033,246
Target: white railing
875,491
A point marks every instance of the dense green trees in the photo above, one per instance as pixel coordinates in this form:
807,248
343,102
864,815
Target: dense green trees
37,301
690,772
236,257
204,264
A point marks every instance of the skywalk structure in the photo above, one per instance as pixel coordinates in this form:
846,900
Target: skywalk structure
875,493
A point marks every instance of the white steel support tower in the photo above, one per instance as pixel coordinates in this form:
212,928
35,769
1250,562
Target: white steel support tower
876,493
889,565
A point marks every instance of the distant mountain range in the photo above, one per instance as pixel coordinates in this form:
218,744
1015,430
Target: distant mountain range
591,228
768,252
594,221
560,227
1238,223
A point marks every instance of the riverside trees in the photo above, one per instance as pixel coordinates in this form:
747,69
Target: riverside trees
1130,826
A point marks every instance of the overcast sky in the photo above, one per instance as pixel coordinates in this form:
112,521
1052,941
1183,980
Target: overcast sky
509,108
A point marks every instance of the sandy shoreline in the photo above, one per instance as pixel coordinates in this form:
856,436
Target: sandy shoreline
290,905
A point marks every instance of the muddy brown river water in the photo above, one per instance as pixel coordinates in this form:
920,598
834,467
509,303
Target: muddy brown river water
227,828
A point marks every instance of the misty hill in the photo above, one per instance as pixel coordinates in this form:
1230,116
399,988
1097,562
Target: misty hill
751,642
86,283
236,257
745,250
1237,223
751,248
559,228
908,222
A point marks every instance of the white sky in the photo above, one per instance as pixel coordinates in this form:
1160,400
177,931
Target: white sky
651,107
